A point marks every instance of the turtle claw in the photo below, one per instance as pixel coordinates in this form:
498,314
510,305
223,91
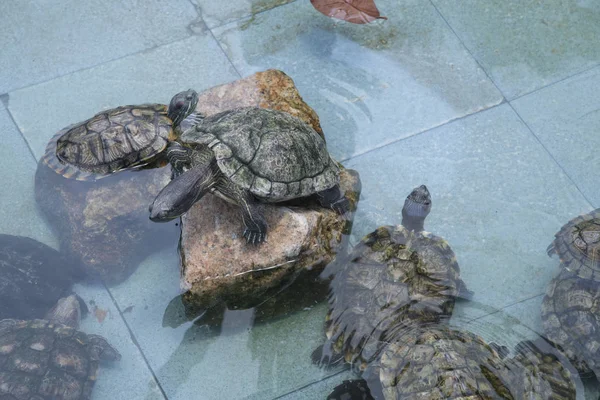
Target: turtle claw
254,237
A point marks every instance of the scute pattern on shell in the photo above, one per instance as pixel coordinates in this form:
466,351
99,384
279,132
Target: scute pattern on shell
438,363
45,361
115,139
578,245
393,277
571,319
273,154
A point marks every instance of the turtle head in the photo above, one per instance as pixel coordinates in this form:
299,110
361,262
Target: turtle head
182,104
67,311
416,208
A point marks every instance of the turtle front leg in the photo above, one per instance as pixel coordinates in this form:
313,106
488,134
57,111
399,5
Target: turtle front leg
332,198
180,158
182,192
255,224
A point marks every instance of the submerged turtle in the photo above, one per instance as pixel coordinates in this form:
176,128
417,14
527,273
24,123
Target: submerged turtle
50,359
571,320
578,246
120,138
247,156
33,276
396,276
436,362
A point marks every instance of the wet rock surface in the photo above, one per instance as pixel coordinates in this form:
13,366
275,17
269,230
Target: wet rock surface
218,265
105,224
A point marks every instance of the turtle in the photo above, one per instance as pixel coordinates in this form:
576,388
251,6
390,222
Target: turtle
571,320
435,362
577,244
396,275
33,276
49,359
126,137
249,156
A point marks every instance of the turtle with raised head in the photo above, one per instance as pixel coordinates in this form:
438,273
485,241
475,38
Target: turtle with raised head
249,156
33,276
571,320
577,244
436,362
50,359
120,138
396,276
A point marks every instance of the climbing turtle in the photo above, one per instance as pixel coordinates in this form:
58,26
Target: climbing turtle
33,276
50,359
397,275
120,138
571,319
436,362
577,244
247,156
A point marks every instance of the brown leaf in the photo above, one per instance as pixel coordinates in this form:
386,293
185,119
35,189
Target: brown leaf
355,11
100,314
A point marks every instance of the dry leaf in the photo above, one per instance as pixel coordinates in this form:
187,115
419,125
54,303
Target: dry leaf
100,314
355,11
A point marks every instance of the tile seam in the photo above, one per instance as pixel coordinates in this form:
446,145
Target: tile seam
311,384
136,343
146,50
462,43
6,100
249,16
424,131
551,155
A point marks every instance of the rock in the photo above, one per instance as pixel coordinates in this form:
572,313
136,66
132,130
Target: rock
218,265
105,224
271,89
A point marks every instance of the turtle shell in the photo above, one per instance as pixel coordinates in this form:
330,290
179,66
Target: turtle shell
393,277
44,361
33,276
571,319
271,153
437,362
110,141
578,245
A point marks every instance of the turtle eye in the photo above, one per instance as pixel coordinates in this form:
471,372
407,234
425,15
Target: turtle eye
189,97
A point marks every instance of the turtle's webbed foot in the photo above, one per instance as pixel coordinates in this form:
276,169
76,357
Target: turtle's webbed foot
333,198
341,206
254,237
256,230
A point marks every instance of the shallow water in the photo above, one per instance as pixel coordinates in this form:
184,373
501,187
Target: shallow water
492,104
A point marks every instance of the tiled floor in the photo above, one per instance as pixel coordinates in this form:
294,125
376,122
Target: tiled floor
492,104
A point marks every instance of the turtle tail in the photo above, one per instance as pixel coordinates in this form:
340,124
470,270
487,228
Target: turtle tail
68,171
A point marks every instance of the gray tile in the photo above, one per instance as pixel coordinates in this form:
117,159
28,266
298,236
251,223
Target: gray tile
498,198
18,211
241,360
153,76
217,13
130,377
370,84
566,119
42,40
320,389
525,45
